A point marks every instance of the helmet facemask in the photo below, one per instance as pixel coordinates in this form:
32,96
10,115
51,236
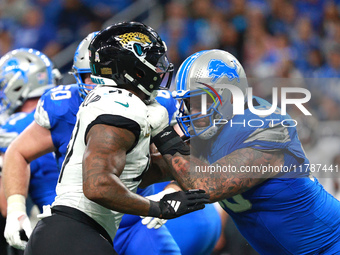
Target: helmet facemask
81,66
199,114
83,87
213,76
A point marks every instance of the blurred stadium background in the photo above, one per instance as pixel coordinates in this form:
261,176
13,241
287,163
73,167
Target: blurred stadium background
279,42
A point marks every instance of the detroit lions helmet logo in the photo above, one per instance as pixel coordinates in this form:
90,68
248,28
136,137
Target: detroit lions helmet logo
135,42
217,69
13,67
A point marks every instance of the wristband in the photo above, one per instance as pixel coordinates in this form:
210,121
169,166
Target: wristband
155,210
169,142
16,203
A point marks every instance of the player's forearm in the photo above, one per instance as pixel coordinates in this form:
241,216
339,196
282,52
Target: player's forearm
3,202
15,173
157,172
218,187
180,169
192,173
111,193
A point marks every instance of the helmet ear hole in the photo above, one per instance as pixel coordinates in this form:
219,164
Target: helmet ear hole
17,88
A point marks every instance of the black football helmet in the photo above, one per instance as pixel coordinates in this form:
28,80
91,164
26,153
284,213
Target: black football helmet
130,53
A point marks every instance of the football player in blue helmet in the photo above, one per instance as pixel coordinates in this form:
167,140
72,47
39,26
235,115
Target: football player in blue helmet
260,175
81,66
195,83
189,231
25,75
37,74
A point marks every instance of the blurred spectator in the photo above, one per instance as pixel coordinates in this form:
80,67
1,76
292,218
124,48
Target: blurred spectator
34,32
332,67
332,38
284,13
331,17
262,5
231,40
206,25
177,31
107,7
238,12
5,39
304,40
313,9
13,9
75,21
50,9
258,44
315,61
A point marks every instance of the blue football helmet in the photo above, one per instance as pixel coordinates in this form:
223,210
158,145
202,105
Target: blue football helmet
24,73
206,84
81,65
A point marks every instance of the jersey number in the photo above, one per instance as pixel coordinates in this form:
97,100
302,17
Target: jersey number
239,204
61,92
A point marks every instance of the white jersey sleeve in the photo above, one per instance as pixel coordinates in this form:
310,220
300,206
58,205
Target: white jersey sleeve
109,106
41,115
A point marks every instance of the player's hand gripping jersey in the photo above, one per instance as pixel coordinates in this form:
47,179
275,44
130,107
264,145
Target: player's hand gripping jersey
124,110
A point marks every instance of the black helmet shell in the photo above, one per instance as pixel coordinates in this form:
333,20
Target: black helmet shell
130,53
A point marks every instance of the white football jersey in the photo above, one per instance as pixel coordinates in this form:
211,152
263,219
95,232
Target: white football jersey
110,106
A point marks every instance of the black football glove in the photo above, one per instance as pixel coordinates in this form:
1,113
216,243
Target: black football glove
179,203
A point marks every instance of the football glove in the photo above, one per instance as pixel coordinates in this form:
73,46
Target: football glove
178,203
18,226
154,222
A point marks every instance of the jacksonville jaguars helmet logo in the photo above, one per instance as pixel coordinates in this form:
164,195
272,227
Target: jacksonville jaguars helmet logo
217,69
135,42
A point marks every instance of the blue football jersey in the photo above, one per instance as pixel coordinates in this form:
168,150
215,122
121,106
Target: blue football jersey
44,171
289,214
57,111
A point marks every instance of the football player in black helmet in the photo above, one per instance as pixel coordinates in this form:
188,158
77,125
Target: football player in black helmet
109,149
130,53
